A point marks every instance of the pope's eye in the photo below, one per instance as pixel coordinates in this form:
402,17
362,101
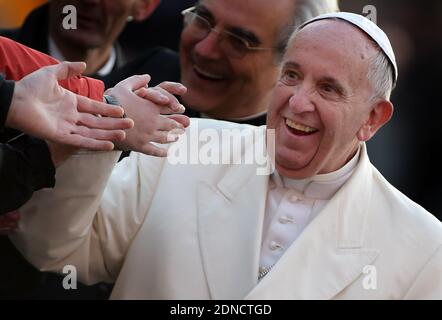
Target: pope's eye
289,77
328,88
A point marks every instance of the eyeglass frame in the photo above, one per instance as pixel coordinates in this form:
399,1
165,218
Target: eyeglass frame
247,47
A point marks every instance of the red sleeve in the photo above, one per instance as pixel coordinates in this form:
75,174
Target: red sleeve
17,61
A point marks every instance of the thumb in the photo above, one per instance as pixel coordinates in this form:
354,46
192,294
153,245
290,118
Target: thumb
66,70
182,119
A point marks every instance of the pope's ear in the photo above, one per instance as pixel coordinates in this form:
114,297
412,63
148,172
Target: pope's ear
144,9
380,114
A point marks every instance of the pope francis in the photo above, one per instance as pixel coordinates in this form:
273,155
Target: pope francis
324,225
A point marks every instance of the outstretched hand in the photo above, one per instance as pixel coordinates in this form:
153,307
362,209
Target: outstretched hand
42,108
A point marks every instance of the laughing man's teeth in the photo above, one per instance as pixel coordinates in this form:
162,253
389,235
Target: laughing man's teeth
292,124
208,74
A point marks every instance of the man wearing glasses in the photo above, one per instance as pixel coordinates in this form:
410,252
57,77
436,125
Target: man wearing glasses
229,57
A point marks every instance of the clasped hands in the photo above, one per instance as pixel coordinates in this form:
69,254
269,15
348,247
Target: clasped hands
42,108
155,112
152,116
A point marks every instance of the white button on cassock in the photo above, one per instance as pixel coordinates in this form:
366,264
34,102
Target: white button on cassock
275,246
286,220
293,198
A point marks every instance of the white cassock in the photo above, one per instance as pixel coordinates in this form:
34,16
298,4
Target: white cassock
292,205
165,231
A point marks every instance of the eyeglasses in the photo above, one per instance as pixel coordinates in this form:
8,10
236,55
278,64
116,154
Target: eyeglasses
230,43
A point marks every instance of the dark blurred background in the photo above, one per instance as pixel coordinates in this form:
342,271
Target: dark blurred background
406,150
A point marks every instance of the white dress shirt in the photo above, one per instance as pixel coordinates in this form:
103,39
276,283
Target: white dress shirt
292,205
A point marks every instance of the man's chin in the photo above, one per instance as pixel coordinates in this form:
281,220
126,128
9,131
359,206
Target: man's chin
83,39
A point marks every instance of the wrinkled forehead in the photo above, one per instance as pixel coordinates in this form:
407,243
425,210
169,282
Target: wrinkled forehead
330,49
252,8
338,40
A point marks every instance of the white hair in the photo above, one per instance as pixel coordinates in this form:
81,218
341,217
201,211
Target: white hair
380,75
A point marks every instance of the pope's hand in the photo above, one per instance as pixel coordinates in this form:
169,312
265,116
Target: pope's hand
150,109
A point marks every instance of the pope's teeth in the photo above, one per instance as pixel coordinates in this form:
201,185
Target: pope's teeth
299,126
208,75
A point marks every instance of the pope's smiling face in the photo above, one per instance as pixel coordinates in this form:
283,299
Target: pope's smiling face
321,106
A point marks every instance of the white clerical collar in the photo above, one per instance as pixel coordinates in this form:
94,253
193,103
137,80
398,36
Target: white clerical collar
321,186
55,52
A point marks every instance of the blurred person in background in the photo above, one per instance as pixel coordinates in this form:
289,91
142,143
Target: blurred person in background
95,41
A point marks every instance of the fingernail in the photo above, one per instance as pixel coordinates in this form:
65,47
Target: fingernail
179,125
180,108
171,137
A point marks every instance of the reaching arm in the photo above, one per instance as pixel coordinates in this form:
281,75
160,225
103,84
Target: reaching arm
38,105
88,220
